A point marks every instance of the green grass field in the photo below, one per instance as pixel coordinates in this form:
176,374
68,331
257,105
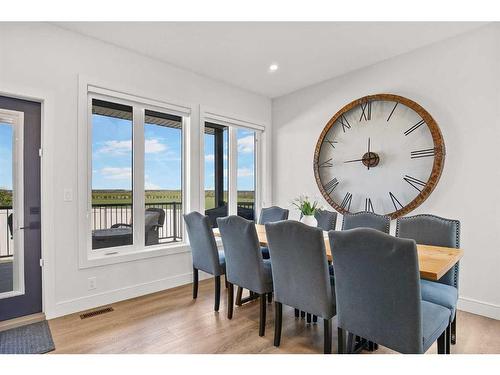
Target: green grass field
160,196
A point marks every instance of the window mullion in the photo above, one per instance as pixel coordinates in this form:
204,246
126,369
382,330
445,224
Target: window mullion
138,177
233,171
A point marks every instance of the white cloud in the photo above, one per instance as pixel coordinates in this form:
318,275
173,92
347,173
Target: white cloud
245,172
153,146
116,147
113,173
150,186
246,144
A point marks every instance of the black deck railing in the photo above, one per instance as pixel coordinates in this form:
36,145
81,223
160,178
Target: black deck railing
108,214
5,234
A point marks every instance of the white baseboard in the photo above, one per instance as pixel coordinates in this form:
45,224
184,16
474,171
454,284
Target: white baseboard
89,302
478,307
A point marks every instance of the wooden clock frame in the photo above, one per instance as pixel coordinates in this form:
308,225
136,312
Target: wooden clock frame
437,139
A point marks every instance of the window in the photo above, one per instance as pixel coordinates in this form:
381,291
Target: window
136,177
246,173
112,197
231,169
162,178
216,171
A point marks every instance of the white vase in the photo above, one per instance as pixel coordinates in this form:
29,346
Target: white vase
309,220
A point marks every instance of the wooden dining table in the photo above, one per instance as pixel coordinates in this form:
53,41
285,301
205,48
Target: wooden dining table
434,261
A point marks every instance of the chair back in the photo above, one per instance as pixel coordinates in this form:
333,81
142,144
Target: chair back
377,288
244,263
366,219
272,214
300,267
203,245
326,219
435,231
160,214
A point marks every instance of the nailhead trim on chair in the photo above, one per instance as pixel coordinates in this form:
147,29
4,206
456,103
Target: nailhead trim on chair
369,213
457,236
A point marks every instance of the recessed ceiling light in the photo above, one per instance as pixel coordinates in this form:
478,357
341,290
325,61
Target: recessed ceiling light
273,67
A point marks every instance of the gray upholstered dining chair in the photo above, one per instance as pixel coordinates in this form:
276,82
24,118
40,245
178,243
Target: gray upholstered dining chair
436,231
244,264
385,304
366,219
272,214
327,220
267,215
206,256
300,274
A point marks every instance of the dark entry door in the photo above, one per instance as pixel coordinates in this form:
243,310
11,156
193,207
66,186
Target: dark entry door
20,188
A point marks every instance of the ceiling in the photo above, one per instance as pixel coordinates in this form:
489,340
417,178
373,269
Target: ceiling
240,53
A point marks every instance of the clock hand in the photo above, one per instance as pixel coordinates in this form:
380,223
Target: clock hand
369,155
352,161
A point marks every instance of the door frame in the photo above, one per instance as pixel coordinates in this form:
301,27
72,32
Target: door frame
16,119
46,100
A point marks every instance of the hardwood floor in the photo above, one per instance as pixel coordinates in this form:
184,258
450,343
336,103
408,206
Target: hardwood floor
172,322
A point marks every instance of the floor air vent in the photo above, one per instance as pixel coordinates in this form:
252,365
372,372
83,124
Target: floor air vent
90,314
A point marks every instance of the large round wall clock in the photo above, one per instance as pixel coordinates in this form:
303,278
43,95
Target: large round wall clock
381,153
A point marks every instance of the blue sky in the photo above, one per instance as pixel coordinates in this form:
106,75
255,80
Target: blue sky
112,156
5,156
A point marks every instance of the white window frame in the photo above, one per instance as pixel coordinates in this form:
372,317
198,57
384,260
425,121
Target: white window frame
16,119
138,250
233,122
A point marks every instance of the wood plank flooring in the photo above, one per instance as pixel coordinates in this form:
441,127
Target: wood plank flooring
172,322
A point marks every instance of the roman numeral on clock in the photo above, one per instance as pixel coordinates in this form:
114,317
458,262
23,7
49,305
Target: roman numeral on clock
415,182
330,142
366,111
390,115
345,124
346,202
395,201
423,153
326,164
414,127
369,205
331,185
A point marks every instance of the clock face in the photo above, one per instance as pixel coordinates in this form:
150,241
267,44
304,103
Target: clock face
381,153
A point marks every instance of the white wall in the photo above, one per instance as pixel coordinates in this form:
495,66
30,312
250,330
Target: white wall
44,61
458,82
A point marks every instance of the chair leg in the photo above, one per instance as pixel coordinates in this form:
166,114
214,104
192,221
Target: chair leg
297,313
350,343
308,318
262,321
217,293
225,282
230,295
442,343
315,319
195,283
448,339
327,323
269,297
239,294
278,314
454,330
340,341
